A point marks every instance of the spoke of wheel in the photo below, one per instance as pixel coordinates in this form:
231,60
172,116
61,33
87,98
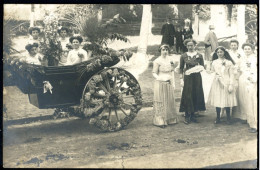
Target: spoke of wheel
121,84
123,111
129,104
114,82
128,96
125,90
116,114
107,83
103,87
109,111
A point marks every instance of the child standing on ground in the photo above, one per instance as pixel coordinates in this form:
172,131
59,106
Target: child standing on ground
222,93
179,40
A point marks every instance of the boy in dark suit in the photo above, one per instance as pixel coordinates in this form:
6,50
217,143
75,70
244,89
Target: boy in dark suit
179,40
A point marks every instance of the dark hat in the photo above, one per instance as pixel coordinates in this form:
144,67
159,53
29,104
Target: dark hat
163,46
28,47
63,28
248,44
234,41
78,37
34,28
189,40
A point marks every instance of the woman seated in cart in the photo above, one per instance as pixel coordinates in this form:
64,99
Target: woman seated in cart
64,40
33,56
77,54
35,35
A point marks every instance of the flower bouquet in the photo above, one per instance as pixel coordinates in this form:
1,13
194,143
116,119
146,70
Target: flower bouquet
50,46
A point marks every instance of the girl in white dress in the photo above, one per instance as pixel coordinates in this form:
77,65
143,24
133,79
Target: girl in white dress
248,86
164,102
222,94
76,55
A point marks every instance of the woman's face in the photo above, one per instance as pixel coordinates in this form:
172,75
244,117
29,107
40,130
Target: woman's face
63,33
248,50
164,51
220,53
234,46
75,44
33,51
35,34
190,46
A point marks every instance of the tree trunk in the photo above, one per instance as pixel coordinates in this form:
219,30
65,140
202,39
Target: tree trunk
144,31
241,33
218,18
32,16
99,15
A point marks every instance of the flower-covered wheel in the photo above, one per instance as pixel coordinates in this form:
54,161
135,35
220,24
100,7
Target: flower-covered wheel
111,99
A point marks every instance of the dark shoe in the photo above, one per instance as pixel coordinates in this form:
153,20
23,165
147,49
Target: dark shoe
217,121
252,130
161,126
192,119
186,121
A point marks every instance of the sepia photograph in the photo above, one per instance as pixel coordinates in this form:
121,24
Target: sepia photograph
130,86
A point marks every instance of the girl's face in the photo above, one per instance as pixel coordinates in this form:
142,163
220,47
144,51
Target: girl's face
164,51
33,51
35,34
234,46
248,50
190,46
75,44
220,53
63,33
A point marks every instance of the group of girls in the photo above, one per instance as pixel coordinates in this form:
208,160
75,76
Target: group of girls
234,87
68,57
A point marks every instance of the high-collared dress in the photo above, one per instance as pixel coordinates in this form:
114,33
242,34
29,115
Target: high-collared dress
192,99
164,101
219,96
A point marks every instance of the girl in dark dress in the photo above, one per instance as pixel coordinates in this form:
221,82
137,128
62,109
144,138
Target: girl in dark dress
192,99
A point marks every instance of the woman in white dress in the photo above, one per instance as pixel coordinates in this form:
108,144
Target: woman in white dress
76,55
33,56
247,86
222,94
236,56
164,102
64,40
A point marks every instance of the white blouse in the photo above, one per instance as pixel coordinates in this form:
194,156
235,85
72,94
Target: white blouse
33,60
73,56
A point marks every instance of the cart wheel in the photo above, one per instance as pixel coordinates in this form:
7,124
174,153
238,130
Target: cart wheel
111,99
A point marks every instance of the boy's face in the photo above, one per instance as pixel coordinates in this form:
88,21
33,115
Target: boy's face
35,34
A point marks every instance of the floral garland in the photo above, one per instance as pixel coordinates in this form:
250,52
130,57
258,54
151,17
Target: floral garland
50,46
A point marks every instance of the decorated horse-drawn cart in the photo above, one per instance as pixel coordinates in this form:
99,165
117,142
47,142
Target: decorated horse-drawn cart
109,96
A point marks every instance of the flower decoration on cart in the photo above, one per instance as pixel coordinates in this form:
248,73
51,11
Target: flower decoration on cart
112,99
50,46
